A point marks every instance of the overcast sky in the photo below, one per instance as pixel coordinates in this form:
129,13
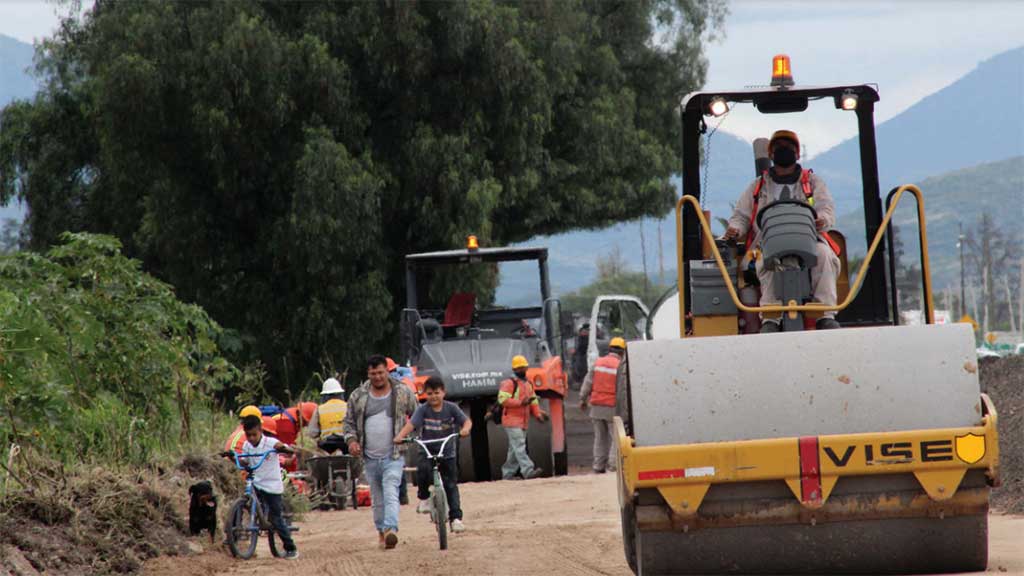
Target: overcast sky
909,48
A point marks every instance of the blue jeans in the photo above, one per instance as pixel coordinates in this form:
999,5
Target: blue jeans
384,476
275,508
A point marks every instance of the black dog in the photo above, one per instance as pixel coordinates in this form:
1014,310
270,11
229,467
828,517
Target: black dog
202,509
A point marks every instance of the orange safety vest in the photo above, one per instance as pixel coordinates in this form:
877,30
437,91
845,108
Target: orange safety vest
805,185
606,370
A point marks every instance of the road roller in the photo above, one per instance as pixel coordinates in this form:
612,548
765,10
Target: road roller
866,449
470,343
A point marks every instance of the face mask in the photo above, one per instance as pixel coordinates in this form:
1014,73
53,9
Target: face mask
521,375
784,156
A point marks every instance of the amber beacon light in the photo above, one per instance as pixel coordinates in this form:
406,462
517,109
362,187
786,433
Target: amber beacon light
472,243
781,73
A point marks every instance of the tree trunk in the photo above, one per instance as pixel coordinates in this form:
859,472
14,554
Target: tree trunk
1009,304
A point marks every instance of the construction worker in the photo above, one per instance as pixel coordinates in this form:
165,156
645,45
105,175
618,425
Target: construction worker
377,412
325,425
288,423
604,390
518,401
787,180
236,440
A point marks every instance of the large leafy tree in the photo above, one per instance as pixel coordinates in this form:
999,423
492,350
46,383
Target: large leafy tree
274,160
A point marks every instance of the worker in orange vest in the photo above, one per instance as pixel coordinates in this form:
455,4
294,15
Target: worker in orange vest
518,401
787,180
237,438
604,390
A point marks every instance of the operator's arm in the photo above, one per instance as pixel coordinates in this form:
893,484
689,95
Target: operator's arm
823,203
739,222
313,428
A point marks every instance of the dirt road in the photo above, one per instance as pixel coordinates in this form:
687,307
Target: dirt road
567,526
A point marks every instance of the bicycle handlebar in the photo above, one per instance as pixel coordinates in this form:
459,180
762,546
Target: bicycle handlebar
423,444
248,467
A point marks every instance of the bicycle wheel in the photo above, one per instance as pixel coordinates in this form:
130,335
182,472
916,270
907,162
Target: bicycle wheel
440,511
242,530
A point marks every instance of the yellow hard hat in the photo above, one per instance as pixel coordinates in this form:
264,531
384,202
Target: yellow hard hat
519,362
617,343
250,411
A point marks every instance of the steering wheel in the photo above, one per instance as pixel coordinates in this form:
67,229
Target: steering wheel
761,212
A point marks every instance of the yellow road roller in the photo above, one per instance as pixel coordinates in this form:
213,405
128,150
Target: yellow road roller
867,449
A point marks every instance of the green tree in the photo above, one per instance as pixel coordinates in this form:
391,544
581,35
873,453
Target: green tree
97,358
275,160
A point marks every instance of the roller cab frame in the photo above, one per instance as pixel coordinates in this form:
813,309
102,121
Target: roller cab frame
473,356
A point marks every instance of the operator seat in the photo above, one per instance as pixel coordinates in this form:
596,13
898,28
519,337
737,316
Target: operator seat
459,311
789,240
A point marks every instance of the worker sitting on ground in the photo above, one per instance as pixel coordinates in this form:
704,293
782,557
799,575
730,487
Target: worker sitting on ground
325,425
436,420
787,180
518,402
604,389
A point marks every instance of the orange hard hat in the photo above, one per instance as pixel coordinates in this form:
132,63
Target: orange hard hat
785,135
391,364
269,425
307,409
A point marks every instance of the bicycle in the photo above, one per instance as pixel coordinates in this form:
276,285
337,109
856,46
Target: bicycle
248,516
439,511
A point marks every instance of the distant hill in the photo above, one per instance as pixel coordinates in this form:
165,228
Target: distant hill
572,255
15,83
961,196
977,119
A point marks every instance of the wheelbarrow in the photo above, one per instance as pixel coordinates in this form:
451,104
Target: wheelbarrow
334,477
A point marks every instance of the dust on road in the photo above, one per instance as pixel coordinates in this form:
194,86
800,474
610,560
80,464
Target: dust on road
566,526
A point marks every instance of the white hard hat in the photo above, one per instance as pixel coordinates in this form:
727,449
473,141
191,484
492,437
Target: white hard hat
331,386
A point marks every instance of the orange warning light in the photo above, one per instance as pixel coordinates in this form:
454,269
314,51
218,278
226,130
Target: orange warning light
781,73
472,243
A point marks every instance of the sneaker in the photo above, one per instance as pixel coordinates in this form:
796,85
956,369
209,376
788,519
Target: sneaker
769,326
424,507
390,539
598,471
458,526
535,473
826,323
291,555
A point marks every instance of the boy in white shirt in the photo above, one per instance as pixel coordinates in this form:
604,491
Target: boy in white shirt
267,478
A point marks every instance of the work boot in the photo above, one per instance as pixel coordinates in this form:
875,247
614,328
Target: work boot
826,323
390,539
769,326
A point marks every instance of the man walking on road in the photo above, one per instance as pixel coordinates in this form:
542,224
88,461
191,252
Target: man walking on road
604,389
376,414
518,401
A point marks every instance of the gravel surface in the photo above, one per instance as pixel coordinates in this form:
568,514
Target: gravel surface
1003,380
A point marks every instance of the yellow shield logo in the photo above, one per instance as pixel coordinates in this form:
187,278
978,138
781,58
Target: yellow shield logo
970,448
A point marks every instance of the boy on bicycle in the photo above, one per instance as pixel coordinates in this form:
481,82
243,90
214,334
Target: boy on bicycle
267,478
434,420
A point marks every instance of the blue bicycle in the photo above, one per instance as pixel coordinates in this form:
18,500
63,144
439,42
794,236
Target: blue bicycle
248,516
